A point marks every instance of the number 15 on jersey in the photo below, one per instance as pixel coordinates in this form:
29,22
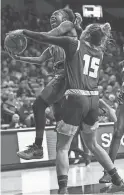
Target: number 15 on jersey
92,63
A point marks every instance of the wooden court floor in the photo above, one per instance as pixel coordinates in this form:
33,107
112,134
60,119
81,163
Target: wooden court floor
82,180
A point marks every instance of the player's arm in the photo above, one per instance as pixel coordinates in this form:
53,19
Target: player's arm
67,43
112,113
63,28
46,55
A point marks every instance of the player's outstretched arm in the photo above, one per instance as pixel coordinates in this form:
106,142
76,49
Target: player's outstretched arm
64,42
112,113
63,28
43,37
46,55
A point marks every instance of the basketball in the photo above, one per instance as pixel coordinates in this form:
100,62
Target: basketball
15,43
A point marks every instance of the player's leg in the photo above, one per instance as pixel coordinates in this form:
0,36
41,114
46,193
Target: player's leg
87,153
100,154
75,148
118,133
115,143
89,135
69,115
51,93
65,133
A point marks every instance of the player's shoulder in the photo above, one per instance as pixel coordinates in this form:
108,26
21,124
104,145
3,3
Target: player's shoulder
67,24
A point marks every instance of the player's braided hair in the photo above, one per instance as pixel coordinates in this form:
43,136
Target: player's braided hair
70,14
97,34
72,17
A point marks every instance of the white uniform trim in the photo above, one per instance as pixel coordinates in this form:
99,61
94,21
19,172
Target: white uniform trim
78,47
81,92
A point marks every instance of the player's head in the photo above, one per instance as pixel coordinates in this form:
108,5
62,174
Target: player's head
60,16
97,34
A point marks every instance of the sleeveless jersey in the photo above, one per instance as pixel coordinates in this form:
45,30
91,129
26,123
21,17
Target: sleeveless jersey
57,53
83,68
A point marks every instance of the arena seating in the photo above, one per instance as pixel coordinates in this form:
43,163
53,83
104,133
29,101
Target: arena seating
35,78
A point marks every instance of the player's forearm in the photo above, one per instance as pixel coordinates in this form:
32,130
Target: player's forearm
63,28
35,60
62,41
30,60
37,36
41,37
45,38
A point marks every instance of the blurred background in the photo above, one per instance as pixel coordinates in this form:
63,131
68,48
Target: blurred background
21,82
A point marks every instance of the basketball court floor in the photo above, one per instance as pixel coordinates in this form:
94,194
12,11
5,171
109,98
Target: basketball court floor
82,180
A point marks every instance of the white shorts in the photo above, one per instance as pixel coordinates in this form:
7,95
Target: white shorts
66,129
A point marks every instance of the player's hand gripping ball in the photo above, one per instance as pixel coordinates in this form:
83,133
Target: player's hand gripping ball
15,43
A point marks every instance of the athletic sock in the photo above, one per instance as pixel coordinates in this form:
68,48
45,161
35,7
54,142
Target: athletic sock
116,179
38,142
62,181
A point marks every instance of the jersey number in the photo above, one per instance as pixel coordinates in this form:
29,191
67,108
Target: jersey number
93,63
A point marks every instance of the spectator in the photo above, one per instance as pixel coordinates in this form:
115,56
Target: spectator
113,102
26,113
10,107
17,76
15,122
24,89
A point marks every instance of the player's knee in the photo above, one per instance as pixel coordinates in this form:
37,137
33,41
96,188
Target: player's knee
92,145
89,136
88,129
62,147
39,103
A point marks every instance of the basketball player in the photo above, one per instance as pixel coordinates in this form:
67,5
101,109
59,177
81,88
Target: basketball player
80,104
56,88
45,99
118,130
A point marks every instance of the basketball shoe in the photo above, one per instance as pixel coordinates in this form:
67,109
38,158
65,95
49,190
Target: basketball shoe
32,152
106,178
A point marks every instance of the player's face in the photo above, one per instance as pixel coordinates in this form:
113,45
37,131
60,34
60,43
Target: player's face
57,18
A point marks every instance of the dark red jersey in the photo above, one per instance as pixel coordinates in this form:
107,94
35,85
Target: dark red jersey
57,53
83,66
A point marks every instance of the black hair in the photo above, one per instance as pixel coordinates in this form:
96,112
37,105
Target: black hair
95,37
69,12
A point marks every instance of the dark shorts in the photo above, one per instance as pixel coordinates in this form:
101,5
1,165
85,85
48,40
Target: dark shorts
55,89
78,108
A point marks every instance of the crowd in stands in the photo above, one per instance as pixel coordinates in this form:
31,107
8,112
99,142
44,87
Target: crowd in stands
22,82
